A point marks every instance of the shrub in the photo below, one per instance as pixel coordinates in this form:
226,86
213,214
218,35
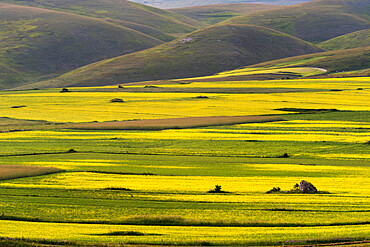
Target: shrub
116,100
217,189
274,189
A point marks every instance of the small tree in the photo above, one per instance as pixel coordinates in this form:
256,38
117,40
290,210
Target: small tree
274,189
217,188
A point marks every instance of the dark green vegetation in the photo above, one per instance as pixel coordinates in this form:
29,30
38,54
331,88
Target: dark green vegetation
356,60
155,22
203,52
37,43
348,41
211,14
315,21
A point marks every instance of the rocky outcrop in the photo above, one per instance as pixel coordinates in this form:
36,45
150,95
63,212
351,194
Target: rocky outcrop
307,187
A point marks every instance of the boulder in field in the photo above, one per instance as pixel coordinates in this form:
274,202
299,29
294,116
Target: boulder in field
307,187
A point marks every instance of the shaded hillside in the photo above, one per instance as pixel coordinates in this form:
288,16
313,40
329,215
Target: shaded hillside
37,43
348,41
158,23
204,52
314,21
357,59
211,14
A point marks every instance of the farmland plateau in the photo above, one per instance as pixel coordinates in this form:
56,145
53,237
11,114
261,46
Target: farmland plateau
151,186
231,124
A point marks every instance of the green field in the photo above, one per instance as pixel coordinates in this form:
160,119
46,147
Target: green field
151,187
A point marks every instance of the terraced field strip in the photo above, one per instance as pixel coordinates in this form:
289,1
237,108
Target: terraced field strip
15,171
218,90
182,235
175,123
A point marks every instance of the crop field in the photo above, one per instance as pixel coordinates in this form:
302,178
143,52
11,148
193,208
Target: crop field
176,123
110,185
78,106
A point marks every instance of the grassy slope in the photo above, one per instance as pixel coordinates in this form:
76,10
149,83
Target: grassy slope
211,14
209,51
35,43
333,61
314,21
170,4
158,23
348,41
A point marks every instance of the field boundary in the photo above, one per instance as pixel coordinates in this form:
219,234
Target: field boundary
55,242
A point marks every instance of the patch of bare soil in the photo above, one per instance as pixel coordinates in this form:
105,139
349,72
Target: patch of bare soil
16,171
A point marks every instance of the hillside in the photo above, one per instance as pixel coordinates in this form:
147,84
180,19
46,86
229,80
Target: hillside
203,52
343,63
37,43
314,21
335,62
170,4
348,41
211,14
158,23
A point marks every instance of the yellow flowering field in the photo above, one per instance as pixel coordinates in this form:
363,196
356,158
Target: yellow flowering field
355,178
179,235
329,84
152,187
96,106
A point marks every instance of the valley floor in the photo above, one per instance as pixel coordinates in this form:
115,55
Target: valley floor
62,185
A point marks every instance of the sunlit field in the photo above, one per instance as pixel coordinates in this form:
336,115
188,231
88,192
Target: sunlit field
152,186
96,106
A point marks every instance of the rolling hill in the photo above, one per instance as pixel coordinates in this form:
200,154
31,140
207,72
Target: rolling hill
315,21
158,23
211,14
203,52
170,4
38,43
343,63
339,63
348,41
